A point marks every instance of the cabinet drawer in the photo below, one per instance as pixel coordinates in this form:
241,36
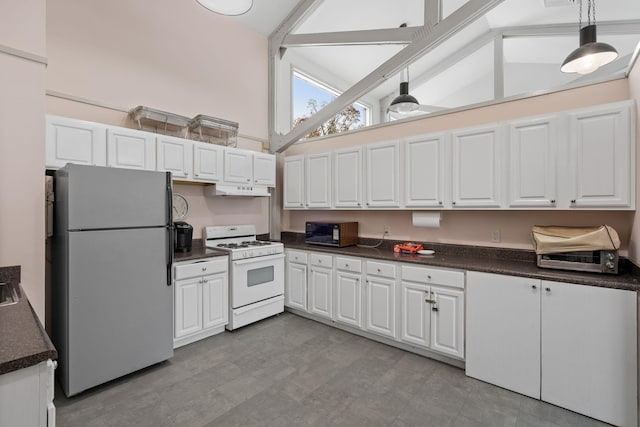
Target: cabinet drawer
200,268
433,276
297,256
321,260
381,269
349,264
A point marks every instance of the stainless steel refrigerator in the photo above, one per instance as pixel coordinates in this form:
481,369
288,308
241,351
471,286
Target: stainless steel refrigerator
112,255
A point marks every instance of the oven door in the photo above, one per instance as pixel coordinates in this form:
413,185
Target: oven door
256,279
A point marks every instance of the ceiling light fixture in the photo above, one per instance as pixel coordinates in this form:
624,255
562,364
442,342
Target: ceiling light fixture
227,7
591,54
404,103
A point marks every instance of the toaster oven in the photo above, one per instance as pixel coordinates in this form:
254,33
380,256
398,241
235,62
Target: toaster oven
602,261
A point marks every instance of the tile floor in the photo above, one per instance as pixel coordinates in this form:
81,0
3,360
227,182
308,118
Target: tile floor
291,371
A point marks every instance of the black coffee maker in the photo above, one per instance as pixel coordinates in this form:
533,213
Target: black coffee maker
183,235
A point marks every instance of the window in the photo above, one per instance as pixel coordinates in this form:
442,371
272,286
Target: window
311,95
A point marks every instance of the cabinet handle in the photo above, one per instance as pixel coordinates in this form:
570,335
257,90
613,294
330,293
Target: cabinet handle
534,287
440,203
319,261
358,204
200,281
430,301
346,265
434,308
196,174
378,270
429,276
548,289
367,203
553,201
204,268
248,179
573,202
453,203
205,280
301,204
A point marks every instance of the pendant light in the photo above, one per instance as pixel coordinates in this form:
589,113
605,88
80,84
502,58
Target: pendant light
227,7
404,103
591,54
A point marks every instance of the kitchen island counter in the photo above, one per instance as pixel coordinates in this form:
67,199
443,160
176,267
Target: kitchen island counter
513,262
23,340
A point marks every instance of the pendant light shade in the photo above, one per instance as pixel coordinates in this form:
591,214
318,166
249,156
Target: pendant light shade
404,103
227,7
591,54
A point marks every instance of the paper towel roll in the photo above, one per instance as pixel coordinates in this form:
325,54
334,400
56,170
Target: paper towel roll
426,219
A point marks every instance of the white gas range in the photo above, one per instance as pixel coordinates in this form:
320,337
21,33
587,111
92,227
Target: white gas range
256,273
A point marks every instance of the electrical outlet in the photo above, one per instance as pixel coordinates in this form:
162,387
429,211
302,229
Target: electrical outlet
495,236
387,230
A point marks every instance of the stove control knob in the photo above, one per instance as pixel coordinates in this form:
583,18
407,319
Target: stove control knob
610,256
610,265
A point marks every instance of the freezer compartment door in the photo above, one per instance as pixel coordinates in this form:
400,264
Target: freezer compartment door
100,198
120,315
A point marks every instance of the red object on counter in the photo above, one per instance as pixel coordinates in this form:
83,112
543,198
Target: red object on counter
407,247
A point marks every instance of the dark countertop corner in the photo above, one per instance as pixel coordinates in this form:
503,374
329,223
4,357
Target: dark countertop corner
23,340
198,251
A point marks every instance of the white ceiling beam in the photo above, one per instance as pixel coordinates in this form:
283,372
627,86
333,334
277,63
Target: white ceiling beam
610,27
297,14
432,11
427,40
498,67
343,38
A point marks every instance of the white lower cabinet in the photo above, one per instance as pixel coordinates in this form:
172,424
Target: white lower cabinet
201,302
380,298
295,291
321,285
348,291
571,345
432,309
26,396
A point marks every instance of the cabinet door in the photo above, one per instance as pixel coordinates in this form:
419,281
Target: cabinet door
476,167
589,353
503,331
264,169
294,182
207,161
383,175
75,141
320,291
187,307
416,313
318,179
215,300
532,165
131,149
424,177
348,298
381,306
447,321
602,157
174,155
296,286
238,166
347,185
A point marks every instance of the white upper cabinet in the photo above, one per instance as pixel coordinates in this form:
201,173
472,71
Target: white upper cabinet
131,149
476,167
533,150
264,169
75,141
207,161
602,157
383,175
318,180
347,178
174,155
238,166
424,166
294,192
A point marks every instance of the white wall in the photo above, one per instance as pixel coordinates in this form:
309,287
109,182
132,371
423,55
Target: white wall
22,146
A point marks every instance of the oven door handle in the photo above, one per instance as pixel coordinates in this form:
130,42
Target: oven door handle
258,259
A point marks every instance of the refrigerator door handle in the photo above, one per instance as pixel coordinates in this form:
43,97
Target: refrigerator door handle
169,230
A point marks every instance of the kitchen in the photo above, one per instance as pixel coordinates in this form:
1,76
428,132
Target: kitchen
75,66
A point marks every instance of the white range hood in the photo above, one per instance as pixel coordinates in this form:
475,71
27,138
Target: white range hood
236,190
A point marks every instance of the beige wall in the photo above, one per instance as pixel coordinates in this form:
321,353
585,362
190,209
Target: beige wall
22,146
634,91
471,227
175,56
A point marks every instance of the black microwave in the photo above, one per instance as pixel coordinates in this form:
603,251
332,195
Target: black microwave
338,234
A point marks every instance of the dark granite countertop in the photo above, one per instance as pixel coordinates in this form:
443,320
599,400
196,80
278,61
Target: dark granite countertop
23,340
198,251
513,262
